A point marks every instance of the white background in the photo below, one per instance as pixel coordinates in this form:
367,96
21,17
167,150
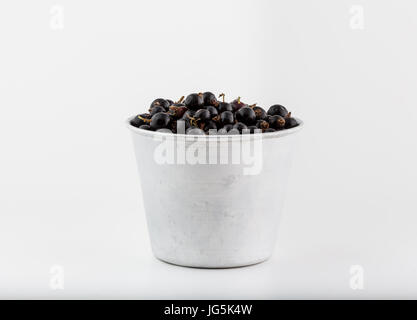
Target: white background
69,189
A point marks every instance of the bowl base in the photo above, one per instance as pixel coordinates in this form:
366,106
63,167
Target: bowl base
219,266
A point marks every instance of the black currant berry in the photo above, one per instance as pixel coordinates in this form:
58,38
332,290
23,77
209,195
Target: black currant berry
194,101
156,109
209,99
262,124
240,126
145,127
210,125
141,119
188,114
237,104
213,111
290,123
224,106
227,117
246,115
160,102
260,113
160,120
177,111
202,115
276,122
277,110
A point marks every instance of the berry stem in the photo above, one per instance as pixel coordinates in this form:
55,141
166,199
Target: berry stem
144,119
180,100
221,95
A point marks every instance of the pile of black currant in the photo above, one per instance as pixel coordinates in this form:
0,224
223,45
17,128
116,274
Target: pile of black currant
201,112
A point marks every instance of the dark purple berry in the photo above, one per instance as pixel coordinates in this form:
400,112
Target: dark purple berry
194,101
145,127
224,106
237,104
213,111
227,117
209,99
290,123
277,110
188,114
202,115
276,122
160,120
160,102
240,126
246,115
210,125
156,109
262,124
141,119
177,111
260,113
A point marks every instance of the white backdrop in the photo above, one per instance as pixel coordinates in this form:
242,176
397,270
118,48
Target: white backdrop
72,71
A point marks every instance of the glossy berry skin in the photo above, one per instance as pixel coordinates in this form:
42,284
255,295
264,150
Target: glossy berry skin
210,125
177,111
277,110
194,101
160,120
188,114
224,106
237,104
140,120
170,102
270,130
290,123
213,111
202,115
262,124
156,109
240,126
276,122
145,127
246,115
260,113
209,99
160,102
227,117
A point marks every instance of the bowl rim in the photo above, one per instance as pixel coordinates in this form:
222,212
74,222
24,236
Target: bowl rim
268,135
